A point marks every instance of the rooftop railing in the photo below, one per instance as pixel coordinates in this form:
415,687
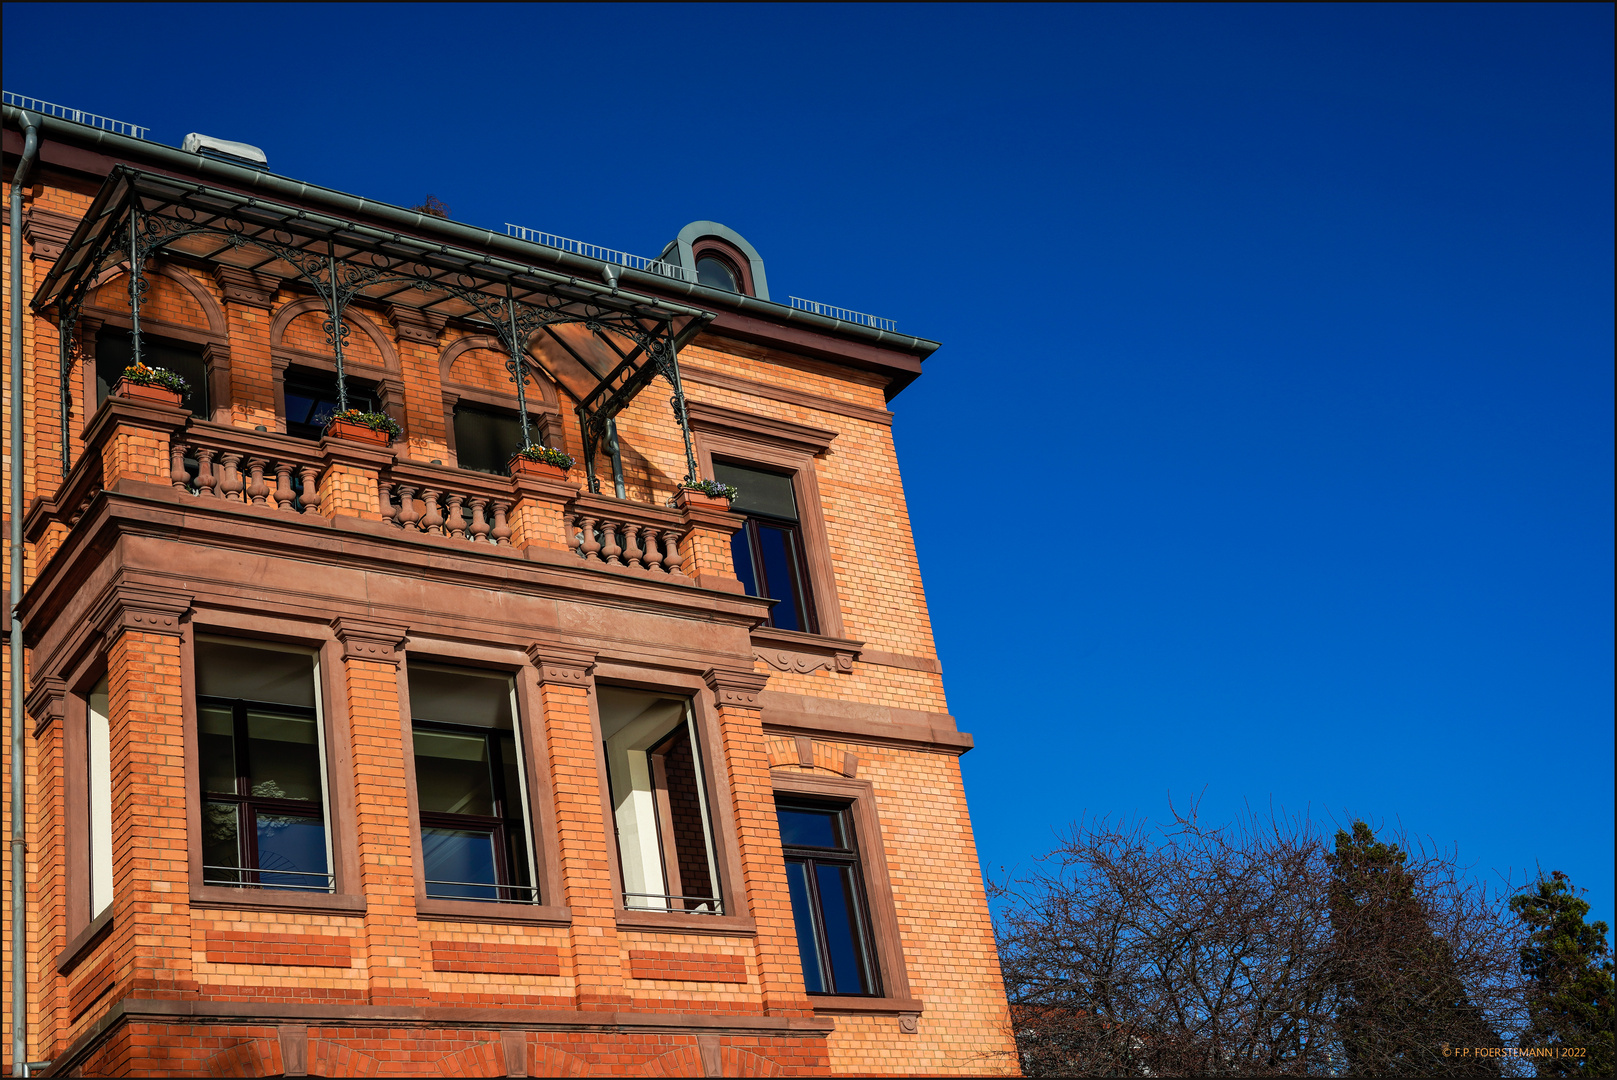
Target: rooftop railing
78,116
814,307
601,254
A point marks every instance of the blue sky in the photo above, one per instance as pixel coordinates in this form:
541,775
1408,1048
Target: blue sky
1269,451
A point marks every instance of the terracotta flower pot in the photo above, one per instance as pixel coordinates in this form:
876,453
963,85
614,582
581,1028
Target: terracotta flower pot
521,466
347,429
693,497
142,392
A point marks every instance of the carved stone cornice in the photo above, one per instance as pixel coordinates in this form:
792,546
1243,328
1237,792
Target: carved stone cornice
382,643
733,687
788,650
561,665
47,232
47,702
245,287
413,324
140,610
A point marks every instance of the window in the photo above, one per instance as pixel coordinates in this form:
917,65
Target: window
659,802
311,400
768,551
470,790
828,902
261,756
486,439
114,351
716,273
99,772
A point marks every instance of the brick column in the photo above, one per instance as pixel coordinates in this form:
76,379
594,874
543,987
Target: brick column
146,688
538,517
249,298
763,867
371,656
132,439
47,706
584,840
705,551
350,480
415,334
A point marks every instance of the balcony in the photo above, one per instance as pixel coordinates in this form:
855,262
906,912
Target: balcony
218,479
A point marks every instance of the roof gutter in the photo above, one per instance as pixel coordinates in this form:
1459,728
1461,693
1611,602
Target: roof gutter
19,834
124,147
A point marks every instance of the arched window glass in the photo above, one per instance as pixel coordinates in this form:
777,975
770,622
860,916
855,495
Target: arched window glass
715,274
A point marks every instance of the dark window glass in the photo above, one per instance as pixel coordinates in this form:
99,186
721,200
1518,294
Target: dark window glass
114,352
311,399
474,841
264,811
715,274
486,439
768,551
828,905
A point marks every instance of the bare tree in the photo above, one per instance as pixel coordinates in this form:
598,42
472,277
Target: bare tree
1190,950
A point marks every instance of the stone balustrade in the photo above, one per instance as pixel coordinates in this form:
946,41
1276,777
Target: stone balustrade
216,461
447,502
616,532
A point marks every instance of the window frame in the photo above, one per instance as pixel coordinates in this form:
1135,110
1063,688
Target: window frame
85,928
847,857
346,896
740,266
248,805
737,917
887,952
802,585
534,753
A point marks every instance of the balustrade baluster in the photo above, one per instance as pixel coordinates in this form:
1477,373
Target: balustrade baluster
611,549
502,531
311,489
588,545
230,483
479,522
653,557
455,521
632,551
671,556
432,521
257,490
178,474
408,514
284,495
206,480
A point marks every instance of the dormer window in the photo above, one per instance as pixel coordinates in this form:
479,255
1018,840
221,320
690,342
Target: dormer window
716,273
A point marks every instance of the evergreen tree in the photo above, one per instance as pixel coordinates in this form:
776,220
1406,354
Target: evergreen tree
1403,1009
1571,979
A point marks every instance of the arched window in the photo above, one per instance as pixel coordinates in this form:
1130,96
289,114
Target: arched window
717,273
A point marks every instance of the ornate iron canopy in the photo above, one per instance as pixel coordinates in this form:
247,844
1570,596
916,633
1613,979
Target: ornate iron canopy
138,216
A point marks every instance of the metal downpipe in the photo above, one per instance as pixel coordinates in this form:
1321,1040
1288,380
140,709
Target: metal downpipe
19,832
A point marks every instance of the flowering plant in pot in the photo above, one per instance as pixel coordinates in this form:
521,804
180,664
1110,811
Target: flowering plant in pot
151,384
712,491
536,460
361,426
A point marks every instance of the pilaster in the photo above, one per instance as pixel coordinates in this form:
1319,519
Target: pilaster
350,482
584,842
249,299
372,653
763,867
416,334
146,688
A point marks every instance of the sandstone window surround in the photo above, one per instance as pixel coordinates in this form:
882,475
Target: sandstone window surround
541,903
785,447
725,862
856,801
328,685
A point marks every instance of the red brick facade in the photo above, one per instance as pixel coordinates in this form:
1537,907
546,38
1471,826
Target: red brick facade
396,556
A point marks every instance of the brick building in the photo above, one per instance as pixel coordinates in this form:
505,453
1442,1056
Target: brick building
345,759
